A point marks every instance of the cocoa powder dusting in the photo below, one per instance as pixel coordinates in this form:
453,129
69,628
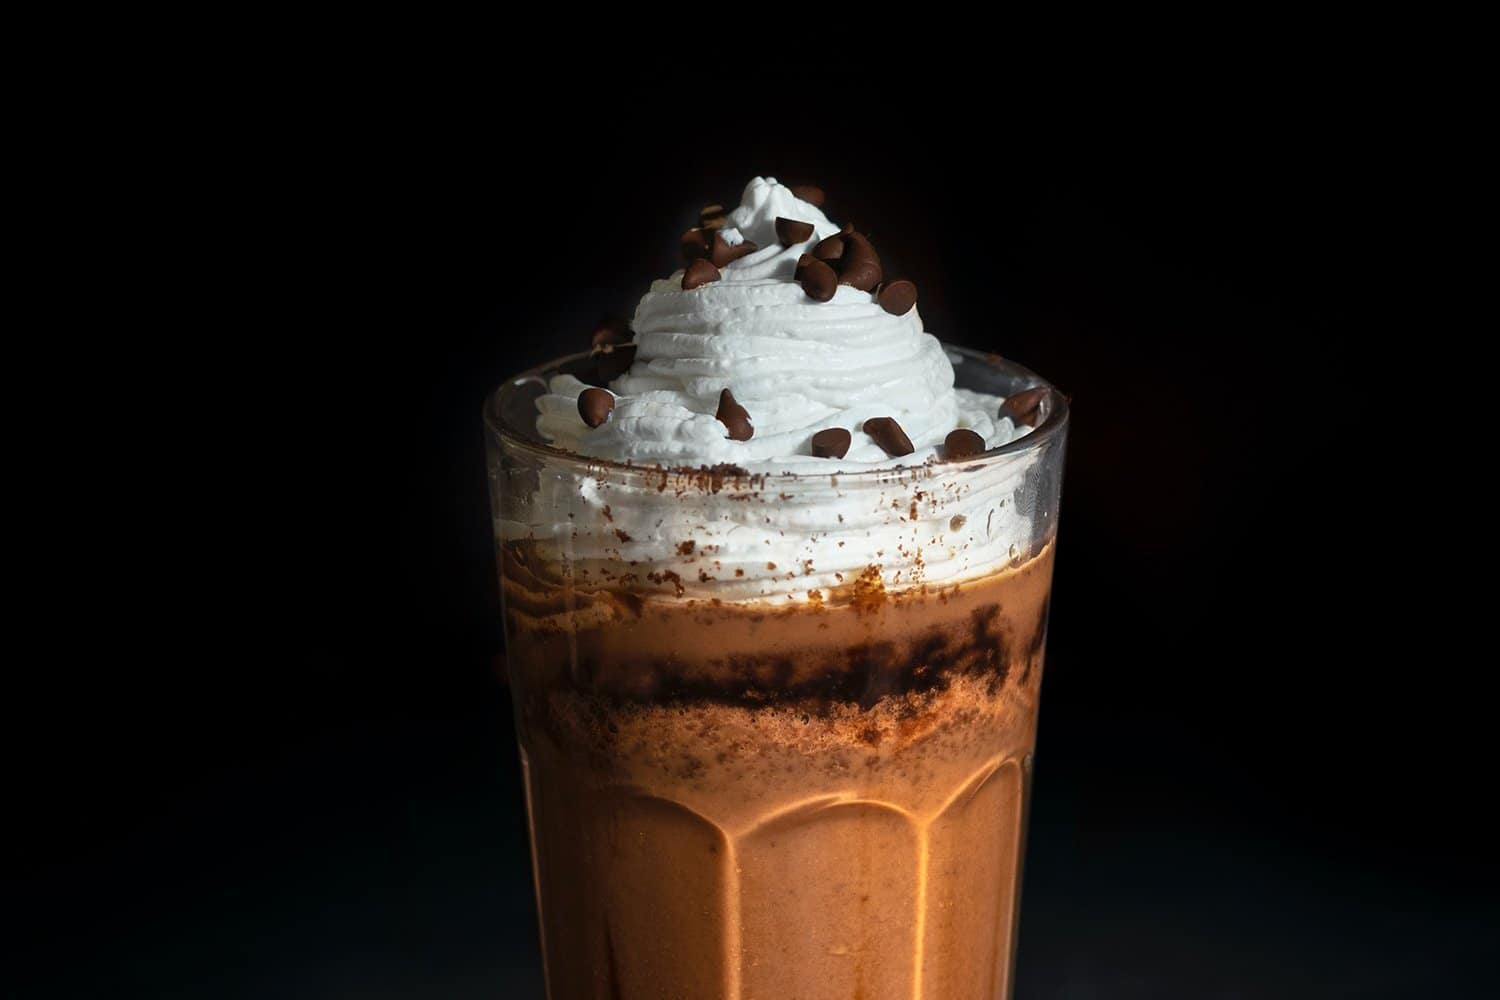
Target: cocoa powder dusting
868,589
667,576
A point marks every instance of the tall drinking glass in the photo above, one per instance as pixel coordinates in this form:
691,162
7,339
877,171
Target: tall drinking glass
753,780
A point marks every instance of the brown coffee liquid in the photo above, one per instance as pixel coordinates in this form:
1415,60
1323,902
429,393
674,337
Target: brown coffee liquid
817,802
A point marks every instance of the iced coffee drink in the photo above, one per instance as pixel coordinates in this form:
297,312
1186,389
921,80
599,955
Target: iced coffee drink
775,567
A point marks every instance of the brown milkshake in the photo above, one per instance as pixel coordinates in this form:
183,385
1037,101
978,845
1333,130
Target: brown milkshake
776,717
791,803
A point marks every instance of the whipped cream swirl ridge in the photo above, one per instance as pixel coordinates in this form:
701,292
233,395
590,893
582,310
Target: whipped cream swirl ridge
798,366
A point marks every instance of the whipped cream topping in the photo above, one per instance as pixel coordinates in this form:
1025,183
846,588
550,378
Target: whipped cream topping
753,538
798,366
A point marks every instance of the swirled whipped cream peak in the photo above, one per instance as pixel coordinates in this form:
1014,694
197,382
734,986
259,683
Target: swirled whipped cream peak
782,347
796,364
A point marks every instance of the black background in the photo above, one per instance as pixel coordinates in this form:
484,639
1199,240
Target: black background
1250,772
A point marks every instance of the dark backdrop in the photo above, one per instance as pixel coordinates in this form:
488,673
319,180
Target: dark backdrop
1246,782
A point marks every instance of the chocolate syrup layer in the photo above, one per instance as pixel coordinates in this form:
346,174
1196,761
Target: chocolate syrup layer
856,645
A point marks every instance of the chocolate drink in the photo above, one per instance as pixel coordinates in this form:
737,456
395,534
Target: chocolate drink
812,803
775,581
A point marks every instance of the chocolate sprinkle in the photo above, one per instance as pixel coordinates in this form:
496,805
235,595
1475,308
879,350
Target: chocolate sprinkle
816,278
810,193
790,232
832,442
611,330
722,253
830,249
860,264
694,245
699,273
594,406
735,417
1025,407
889,435
585,369
897,297
962,443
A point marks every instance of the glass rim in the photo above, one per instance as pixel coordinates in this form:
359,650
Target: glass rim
1052,425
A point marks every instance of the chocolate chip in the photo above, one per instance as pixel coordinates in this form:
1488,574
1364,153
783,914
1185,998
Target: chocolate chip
722,253
816,278
860,264
611,330
830,249
735,417
810,193
612,361
832,442
897,297
962,443
694,245
712,216
889,435
1025,407
585,369
790,232
594,406
699,273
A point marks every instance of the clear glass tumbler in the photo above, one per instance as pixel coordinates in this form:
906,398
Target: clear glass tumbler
756,779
